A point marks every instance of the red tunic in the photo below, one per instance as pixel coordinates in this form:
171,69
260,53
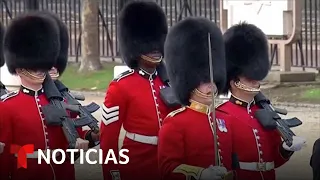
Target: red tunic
24,124
254,145
133,100
186,142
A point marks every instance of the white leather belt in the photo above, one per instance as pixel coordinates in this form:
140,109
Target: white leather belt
35,154
255,166
153,140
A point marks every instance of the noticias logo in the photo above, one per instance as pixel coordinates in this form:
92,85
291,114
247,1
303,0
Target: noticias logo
58,156
21,153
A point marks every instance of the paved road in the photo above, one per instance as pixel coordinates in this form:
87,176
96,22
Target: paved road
298,168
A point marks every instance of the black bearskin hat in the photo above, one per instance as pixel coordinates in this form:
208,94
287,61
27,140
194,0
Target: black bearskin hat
187,56
31,42
246,52
62,60
2,31
142,29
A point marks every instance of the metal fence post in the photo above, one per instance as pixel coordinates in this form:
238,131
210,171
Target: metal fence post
32,5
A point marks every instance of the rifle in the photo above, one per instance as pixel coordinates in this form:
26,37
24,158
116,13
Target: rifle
56,112
167,94
84,111
269,118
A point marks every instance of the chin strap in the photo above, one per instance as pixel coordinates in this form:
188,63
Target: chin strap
203,95
32,76
244,87
151,59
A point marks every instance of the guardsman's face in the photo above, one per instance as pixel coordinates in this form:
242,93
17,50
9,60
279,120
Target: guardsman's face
208,88
205,91
152,59
54,74
249,82
40,74
154,54
245,85
34,77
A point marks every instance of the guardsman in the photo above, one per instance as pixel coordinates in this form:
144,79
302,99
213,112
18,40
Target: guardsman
56,72
60,66
315,160
31,47
259,151
133,99
186,139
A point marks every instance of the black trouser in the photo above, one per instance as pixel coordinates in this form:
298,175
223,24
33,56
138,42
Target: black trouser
315,160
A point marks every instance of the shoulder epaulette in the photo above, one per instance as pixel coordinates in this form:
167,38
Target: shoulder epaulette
123,75
9,95
175,112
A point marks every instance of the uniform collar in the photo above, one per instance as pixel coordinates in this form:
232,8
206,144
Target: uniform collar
31,92
235,100
199,107
147,75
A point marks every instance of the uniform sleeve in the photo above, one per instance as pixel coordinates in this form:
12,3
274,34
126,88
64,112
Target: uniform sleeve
281,156
6,158
171,154
113,114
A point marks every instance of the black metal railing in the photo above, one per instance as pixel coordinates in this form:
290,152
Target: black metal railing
69,12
